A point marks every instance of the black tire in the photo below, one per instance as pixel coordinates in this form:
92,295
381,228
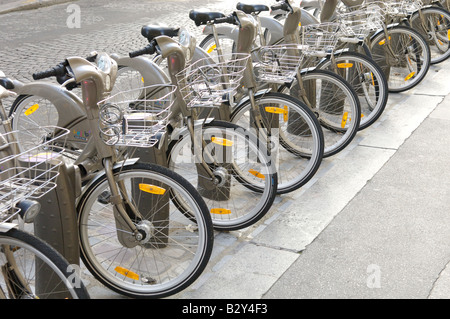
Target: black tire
147,286
46,256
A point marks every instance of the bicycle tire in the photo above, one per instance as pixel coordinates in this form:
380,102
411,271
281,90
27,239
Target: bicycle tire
335,103
397,69
368,81
300,138
178,246
436,34
249,184
47,260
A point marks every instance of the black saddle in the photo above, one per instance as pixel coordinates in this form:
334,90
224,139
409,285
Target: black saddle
252,8
203,17
152,31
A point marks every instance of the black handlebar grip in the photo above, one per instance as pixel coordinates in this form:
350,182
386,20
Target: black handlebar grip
231,19
149,49
58,70
282,6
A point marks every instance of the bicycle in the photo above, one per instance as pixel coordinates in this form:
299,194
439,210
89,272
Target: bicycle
30,268
126,218
339,129
401,52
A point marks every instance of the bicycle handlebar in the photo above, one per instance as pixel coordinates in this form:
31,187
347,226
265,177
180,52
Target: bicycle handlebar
149,49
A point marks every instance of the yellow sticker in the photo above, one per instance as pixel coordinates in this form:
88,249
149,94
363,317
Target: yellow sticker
448,34
222,141
220,211
152,189
31,110
344,120
127,273
409,77
212,48
257,174
345,65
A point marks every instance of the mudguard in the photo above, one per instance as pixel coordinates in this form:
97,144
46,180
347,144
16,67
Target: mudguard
69,106
149,70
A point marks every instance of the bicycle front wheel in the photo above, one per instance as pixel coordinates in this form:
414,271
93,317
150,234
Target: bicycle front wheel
334,102
295,129
433,24
174,246
366,78
31,269
404,56
243,184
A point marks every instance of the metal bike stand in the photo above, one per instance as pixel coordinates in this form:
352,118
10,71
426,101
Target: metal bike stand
57,225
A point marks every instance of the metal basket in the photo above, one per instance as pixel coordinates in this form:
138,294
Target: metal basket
136,117
207,83
320,39
278,63
393,9
360,23
28,174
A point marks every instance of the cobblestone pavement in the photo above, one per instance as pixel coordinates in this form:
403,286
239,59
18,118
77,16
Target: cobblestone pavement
38,39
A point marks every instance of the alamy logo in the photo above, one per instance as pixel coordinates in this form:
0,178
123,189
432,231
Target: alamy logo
74,18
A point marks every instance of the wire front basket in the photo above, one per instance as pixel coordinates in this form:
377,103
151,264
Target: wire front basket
393,9
136,118
278,63
207,83
320,39
31,173
360,23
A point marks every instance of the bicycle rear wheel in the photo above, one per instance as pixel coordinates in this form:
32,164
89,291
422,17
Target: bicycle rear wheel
31,269
174,246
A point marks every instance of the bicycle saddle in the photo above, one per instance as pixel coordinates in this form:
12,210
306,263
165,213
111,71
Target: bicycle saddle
252,8
203,17
152,31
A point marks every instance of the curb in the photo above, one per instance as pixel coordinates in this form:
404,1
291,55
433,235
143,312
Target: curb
28,5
